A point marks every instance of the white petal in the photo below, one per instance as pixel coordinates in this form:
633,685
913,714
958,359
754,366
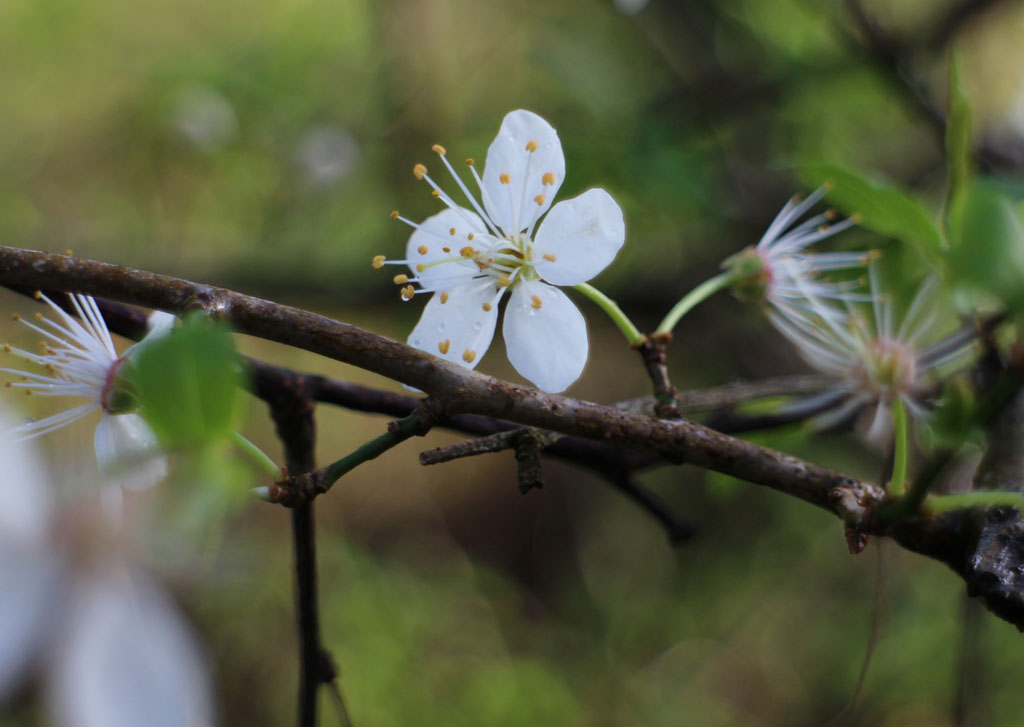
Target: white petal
160,323
128,659
582,234
512,205
462,322
25,489
128,452
434,234
30,584
547,345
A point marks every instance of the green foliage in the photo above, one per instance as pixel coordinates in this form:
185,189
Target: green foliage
958,135
187,383
886,210
987,237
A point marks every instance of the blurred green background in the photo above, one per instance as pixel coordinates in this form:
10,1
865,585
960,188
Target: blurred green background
261,145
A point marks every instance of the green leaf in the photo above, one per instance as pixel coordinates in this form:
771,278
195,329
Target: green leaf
988,244
885,210
187,383
958,135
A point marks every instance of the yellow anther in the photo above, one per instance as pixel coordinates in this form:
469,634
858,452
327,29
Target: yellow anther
408,292
486,307
420,267
470,237
451,231
38,295
531,146
827,185
69,253
8,384
400,279
418,171
470,162
504,282
549,256
394,214
422,249
378,262
15,317
444,299
536,301
831,214
548,179
504,178
467,251
436,193
539,199
39,317
469,355
446,249
439,149
443,346
7,347
856,218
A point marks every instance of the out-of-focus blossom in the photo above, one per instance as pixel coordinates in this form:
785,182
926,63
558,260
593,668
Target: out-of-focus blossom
112,648
327,154
874,361
204,117
80,361
780,271
470,258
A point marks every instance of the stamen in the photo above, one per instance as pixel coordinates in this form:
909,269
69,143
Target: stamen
451,231
436,193
408,292
401,279
469,355
439,149
548,180
444,299
504,178
549,256
443,346
504,282
537,302
539,199
446,249
531,146
470,237
38,295
422,249
470,162
420,267
467,251
487,307
418,171
394,214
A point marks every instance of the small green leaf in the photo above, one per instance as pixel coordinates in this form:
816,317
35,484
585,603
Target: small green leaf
885,210
958,134
187,383
988,244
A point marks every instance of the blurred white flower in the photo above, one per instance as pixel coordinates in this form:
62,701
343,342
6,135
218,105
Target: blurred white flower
781,272
113,648
874,361
204,117
327,154
80,361
470,258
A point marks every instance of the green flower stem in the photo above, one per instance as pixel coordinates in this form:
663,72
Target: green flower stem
981,498
257,455
898,481
609,306
702,292
397,433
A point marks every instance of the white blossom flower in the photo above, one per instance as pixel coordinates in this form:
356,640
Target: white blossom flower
469,258
80,361
875,362
779,270
113,649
